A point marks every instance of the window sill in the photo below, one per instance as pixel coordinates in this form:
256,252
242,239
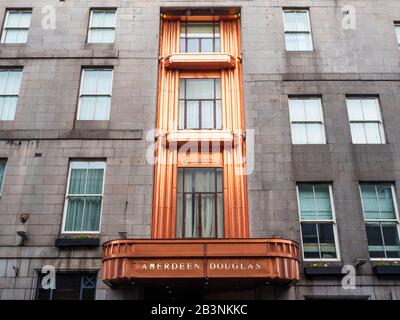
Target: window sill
77,242
91,124
387,270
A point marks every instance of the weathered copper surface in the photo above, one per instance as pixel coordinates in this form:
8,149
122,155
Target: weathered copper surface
274,260
200,61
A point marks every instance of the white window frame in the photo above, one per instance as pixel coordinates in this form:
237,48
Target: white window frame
332,221
306,10
74,164
397,32
94,95
12,95
379,121
396,220
90,27
5,28
308,122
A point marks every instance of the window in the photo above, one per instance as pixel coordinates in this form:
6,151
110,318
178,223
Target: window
306,121
84,197
365,120
102,26
200,203
95,94
317,219
397,28
3,163
200,104
200,37
16,26
10,81
69,286
297,30
381,218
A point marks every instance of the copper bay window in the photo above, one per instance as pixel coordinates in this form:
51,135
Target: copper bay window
200,37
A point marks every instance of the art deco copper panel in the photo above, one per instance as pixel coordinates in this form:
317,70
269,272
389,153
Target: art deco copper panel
233,156
274,260
203,61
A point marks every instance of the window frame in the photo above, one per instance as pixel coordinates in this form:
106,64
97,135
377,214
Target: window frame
90,28
215,193
214,38
317,221
83,273
67,195
214,101
311,41
84,69
5,28
395,221
8,70
321,122
379,121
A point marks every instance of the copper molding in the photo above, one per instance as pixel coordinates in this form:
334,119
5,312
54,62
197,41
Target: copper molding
273,260
203,61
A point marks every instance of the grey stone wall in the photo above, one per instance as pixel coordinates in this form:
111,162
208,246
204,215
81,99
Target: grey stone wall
360,61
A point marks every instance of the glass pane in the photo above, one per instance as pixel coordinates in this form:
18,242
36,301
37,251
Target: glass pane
220,182
94,184
109,19
358,133
327,241
208,222
25,19
373,133
11,36
67,287
315,133
183,30
313,109
323,202
191,217
108,36
207,114
200,30
204,179
74,217
192,116
217,45
181,114
193,45
218,112
207,45
220,212
302,21
3,81
182,88
182,47
97,19
354,110
179,215
299,133
104,81
375,241
13,19
102,108
8,107
291,42
89,85
369,201
304,41
87,108
310,241
370,110
290,21
199,89
180,180
2,170
296,108
398,34
91,221
22,36
77,181
95,36
217,88
391,238
385,199
307,203
13,83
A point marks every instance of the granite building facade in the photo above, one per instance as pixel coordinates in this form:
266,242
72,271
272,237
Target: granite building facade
317,84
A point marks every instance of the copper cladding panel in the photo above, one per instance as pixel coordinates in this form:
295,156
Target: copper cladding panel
274,260
204,61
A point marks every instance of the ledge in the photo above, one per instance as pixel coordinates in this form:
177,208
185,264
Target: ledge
200,61
273,260
182,136
387,270
74,134
324,271
77,242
